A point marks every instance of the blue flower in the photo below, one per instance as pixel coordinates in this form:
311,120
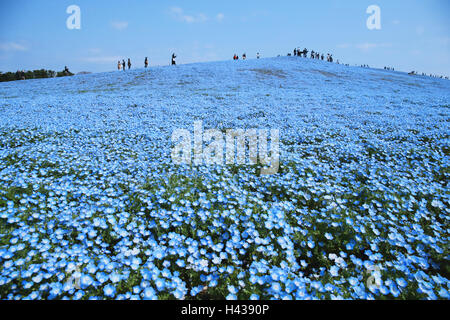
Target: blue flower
149,294
86,281
231,297
401,282
276,287
109,291
334,271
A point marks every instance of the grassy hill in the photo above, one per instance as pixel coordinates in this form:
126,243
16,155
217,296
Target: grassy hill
358,209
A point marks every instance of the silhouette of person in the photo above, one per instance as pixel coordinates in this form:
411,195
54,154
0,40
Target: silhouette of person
174,63
129,64
124,66
119,65
146,62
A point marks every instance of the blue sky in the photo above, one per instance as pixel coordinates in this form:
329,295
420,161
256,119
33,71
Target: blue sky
414,35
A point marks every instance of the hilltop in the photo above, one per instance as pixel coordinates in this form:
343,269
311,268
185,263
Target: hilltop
358,209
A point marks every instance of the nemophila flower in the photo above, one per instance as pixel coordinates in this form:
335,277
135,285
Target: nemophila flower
384,290
329,236
115,277
231,297
213,283
37,278
180,263
394,290
101,277
443,293
232,289
109,291
55,291
86,281
160,285
149,294
135,263
276,287
334,271
178,294
78,295
401,282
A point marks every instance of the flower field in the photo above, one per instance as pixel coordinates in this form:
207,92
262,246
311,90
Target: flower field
92,207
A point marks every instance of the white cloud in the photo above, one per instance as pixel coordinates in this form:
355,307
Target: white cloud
119,25
94,50
105,59
420,30
444,41
255,15
12,46
179,14
368,46
220,17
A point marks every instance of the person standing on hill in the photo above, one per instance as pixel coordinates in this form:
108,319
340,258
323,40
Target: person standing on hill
174,63
124,66
129,64
146,62
119,65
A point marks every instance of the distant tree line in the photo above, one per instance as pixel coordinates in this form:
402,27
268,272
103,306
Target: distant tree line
36,74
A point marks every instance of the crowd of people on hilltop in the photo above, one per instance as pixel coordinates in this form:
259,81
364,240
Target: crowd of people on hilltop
244,56
313,55
316,55
415,73
122,65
